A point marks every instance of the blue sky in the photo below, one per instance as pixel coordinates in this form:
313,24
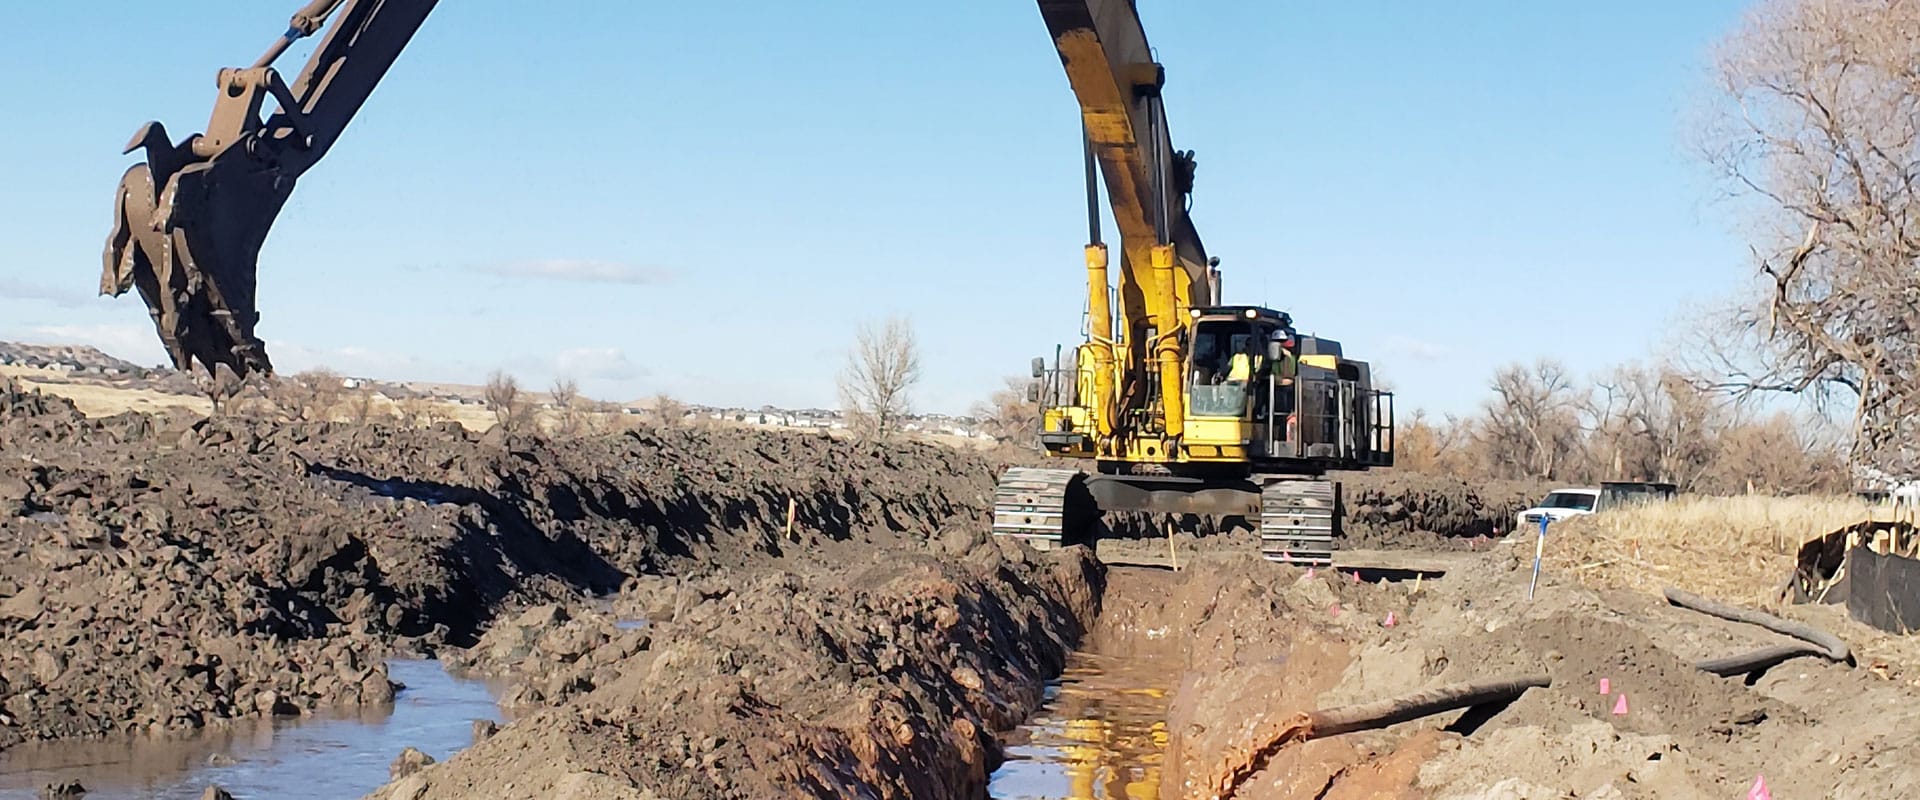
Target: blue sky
708,198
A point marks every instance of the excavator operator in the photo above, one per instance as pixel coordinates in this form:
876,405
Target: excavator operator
1246,363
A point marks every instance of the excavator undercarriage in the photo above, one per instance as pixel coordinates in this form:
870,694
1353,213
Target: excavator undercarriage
1297,519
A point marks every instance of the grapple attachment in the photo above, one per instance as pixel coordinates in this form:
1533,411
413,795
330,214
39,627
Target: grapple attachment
187,234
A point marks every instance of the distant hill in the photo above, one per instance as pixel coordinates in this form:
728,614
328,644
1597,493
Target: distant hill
71,357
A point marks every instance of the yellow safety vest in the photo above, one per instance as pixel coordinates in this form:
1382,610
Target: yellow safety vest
1240,368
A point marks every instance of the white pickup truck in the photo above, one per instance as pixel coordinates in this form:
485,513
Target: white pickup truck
1579,501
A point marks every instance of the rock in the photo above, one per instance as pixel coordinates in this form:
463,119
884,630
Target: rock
69,790
408,762
376,690
48,665
959,540
26,606
408,788
14,489
484,729
220,760
267,703
594,786
214,792
541,617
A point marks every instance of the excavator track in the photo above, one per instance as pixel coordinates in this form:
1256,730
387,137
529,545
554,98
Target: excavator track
1033,505
1298,520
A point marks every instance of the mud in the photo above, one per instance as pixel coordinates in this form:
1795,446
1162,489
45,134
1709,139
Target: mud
163,574
1262,642
866,674
1394,510
661,632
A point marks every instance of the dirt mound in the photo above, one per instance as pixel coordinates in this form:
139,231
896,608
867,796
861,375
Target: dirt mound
158,574
1392,510
875,674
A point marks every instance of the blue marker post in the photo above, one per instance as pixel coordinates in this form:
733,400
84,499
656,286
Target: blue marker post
1539,546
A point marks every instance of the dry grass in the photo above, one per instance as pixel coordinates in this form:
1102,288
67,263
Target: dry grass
103,400
1738,549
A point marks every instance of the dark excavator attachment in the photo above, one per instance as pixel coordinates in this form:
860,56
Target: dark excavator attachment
187,236
188,224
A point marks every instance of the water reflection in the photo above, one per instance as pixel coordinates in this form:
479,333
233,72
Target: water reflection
1101,735
343,755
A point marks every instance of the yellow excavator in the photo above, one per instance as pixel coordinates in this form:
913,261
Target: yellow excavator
1182,404
1179,404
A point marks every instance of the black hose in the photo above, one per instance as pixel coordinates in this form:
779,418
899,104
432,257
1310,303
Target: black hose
1818,642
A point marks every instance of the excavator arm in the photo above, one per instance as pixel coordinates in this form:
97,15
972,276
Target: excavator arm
189,221
1164,269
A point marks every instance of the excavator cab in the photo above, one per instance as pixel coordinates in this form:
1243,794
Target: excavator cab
1260,393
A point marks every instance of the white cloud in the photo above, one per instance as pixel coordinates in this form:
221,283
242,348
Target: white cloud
291,357
1408,347
596,364
580,271
133,342
11,289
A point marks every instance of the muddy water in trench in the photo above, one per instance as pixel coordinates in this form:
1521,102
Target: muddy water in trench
1100,736
340,756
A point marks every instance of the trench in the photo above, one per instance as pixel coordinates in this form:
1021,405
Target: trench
337,754
1101,733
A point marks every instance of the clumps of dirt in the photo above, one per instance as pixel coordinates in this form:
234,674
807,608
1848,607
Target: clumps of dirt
1666,694
1264,642
163,573
549,655
878,674
1394,510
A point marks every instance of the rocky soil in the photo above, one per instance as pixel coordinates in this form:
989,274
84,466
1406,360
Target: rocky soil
161,573
853,672
1262,642
1411,511
665,633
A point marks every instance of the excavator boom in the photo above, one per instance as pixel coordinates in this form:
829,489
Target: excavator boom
1104,48
1183,405
189,221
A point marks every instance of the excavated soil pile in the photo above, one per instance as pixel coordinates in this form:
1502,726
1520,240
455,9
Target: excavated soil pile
1263,643
162,573
1393,510
850,673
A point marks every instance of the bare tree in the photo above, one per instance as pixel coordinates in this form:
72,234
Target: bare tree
1817,124
504,399
1530,427
881,371
1012,414
1775,455
669,412
1440,448
420,412
567,403
1651,423
311,395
